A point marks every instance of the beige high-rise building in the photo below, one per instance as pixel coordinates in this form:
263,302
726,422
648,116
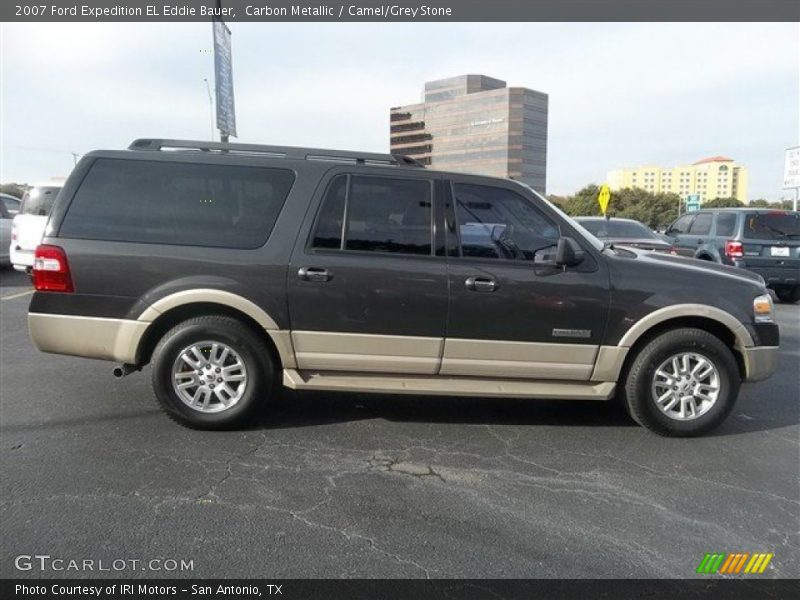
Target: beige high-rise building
475,124
714,177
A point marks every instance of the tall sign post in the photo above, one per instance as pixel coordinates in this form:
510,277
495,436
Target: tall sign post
223,79
791,172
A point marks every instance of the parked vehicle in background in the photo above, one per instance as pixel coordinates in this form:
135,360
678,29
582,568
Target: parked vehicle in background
11,203
29,224
234,267
764,241
625,232
5,234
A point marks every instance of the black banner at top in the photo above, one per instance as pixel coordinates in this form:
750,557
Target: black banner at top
399,10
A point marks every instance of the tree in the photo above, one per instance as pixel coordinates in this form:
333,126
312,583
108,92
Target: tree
759,203
723,203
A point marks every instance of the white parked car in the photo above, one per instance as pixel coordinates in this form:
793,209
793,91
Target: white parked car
29,224
5,234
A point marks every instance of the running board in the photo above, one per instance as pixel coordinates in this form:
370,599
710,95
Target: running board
376,383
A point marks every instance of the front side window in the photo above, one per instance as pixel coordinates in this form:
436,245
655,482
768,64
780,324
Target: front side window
681,225
702,224
376,214
499,223
189,204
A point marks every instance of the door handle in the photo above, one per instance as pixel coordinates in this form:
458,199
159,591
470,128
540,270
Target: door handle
480,284
314,274
700,241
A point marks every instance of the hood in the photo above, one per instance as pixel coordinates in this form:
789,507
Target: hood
696,266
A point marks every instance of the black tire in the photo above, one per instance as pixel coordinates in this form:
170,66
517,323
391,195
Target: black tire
789,294
637,393
251,349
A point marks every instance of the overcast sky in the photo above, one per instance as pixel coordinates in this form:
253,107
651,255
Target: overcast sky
620,94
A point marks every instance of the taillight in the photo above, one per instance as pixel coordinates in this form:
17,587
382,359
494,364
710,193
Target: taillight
51,270
14,234
673,251
734,249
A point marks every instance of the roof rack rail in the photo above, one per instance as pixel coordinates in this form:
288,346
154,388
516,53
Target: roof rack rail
295,152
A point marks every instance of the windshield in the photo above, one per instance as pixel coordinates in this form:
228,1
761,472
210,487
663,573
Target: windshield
577,226
39,200
772,226
616,230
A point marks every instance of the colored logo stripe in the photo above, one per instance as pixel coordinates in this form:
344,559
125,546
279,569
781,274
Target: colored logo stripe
733,563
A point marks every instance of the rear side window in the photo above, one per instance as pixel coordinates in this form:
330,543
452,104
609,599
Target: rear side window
726,224
39,200
383,214
772,226
186,204
702,224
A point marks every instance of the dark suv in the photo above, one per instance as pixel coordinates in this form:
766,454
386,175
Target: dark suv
765,241
231,267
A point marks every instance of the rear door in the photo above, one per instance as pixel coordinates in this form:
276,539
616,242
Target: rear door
509,318
366,292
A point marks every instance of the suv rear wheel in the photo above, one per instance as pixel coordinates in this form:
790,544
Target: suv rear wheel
789,294
211,372
683,382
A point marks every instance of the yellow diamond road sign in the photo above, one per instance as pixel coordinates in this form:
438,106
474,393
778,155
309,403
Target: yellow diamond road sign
603,198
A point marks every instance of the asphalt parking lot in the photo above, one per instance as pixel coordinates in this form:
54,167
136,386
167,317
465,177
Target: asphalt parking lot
337,485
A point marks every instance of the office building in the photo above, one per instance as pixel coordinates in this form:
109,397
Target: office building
475,124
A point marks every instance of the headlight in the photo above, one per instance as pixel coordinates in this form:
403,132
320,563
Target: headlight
762,309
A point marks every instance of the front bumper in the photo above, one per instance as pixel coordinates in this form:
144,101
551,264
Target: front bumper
759,362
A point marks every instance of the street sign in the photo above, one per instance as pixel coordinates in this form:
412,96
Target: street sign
223,78
692,202
791,168
604,198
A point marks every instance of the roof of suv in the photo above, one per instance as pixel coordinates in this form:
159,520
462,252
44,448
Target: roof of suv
746,209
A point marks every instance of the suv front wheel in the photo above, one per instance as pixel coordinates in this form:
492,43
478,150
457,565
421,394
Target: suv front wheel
683,382
211,372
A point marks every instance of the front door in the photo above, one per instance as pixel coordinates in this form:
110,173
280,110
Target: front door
508,318
366,292
678,234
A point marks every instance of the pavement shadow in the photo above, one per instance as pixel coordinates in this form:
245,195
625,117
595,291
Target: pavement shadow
307,409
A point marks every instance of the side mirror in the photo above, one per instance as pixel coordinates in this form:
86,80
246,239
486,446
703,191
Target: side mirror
568,252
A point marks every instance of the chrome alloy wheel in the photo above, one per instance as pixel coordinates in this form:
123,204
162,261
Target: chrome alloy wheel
209,376
686,386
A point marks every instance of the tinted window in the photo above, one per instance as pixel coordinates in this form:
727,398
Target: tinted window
726,223
383,215
681,225
177,203
702,224
617,229
328,232
498,223
39,200
389,215
772,226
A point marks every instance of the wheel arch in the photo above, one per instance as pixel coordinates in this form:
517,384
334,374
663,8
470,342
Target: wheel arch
715,321
171,310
